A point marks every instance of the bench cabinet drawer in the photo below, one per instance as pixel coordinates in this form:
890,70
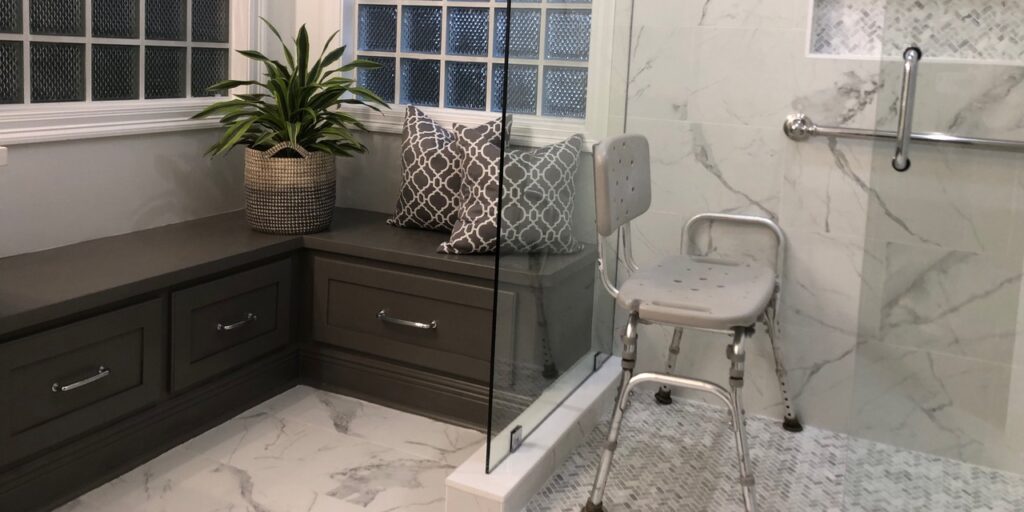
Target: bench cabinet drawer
419,319
66,381
222,324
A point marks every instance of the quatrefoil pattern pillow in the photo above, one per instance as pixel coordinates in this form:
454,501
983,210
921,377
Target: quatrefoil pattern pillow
476,230
431,178
538,196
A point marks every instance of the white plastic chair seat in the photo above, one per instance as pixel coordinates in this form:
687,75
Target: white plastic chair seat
698,292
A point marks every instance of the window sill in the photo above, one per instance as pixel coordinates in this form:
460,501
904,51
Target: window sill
527,131
59,122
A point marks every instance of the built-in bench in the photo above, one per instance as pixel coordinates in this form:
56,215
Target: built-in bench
115,350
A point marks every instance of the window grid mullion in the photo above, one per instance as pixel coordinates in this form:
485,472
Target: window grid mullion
442,93
399,13
26,55
489,74
142,50
542,54
188,48
88,50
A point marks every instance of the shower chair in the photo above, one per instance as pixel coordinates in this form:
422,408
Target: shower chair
686,291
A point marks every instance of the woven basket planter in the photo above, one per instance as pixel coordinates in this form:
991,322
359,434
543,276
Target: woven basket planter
289,196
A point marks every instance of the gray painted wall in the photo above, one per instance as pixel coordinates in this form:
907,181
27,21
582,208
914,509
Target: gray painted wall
60,193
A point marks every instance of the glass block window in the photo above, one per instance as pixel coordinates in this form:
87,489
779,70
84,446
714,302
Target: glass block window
166,19
55,51
115,72
10,16
115,19
452,54
11,73
58,72
57,17
209,66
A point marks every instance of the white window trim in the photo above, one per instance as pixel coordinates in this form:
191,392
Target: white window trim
323,17
28,123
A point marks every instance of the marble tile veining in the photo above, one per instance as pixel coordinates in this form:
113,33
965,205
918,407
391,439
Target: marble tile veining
304,450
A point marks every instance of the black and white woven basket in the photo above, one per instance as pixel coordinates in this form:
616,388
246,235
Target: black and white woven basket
289,196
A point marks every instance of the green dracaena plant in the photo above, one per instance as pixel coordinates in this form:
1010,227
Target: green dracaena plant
295,102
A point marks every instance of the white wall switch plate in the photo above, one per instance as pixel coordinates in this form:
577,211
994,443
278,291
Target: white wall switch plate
3,157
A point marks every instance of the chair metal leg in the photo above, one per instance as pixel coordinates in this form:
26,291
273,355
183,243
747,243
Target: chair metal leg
664,394
737,359
596,501
790,422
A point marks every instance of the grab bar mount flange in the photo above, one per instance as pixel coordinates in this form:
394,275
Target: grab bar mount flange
799,127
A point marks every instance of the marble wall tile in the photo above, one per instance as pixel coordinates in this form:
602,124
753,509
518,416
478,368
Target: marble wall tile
745,76
827,189
750,13
819,324
953,198
839,92
1015,412
666,13
662,71
699,168
952,302
702,355
822,282
968,99
935,403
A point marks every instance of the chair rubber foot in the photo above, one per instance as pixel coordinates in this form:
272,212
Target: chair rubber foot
550,371
663,397
792,425
590,507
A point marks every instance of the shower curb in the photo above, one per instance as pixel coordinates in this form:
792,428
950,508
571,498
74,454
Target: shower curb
515,481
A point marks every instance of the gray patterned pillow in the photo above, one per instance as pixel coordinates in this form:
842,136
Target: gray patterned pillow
538,197
430,175
476,230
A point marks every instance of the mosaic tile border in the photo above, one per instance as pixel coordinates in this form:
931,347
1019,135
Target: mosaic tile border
987,30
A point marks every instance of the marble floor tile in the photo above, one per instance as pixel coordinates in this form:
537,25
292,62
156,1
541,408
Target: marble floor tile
413,434
303,451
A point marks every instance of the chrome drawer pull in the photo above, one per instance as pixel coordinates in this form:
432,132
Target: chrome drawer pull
382,315
249,318
102,373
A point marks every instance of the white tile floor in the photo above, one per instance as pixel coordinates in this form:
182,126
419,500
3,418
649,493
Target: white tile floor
304,450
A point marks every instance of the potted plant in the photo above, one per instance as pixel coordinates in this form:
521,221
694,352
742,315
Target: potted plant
292,132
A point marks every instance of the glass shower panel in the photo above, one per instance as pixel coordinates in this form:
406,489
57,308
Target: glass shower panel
554,321
938,384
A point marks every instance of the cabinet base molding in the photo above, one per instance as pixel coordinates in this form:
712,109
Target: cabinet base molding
394,385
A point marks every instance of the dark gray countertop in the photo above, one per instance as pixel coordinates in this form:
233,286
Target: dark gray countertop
44,286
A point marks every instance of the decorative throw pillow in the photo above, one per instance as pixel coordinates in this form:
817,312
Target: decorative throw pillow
476,230
430,175
538,197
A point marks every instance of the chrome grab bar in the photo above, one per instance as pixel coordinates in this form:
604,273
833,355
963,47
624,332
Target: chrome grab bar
102,373
382,315
249,318
904,130
800,127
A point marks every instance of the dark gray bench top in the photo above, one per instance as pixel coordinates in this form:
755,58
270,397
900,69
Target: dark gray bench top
40,287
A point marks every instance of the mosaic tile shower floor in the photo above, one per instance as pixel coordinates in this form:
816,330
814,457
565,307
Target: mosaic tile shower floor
684,461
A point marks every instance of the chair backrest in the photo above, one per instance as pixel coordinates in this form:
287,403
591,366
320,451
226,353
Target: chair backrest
622,181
